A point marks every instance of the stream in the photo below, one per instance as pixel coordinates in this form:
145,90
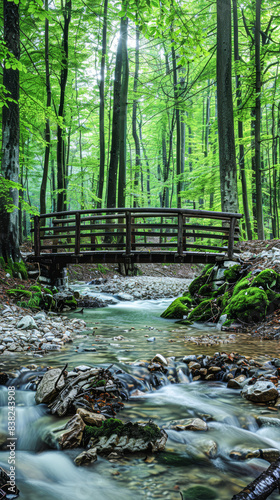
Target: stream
45,474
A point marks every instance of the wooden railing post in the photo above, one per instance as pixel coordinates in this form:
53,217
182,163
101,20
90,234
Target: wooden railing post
78,233
92,236
128,233
37,241
133,247
231,237
180,233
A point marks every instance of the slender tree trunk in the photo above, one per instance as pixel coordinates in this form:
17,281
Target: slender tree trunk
115,144
9,230
43,189
61,165
102,107
240,128
178,127
123,115
134,116
259,200
228,174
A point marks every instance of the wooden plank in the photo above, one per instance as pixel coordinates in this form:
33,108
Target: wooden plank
231,238
180,234
128,233
78,233
37,241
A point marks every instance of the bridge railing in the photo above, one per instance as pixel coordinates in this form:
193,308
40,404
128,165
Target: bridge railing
130,230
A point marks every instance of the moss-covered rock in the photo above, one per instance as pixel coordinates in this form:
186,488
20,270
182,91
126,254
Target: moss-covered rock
201,280
232,274
179,308
242,284
71,303
200,493
148,432
267,279
207,310
19,292
248,305
206,290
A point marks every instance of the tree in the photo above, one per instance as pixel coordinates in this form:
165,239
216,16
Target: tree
227,155
9,233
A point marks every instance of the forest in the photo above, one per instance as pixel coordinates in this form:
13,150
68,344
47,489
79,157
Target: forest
139,103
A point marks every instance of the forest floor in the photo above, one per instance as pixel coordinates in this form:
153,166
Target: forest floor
250,250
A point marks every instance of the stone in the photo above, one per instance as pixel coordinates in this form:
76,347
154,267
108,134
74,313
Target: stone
268,421
50,347
188,424
26,323
237,382
82,368
151,339
73,434
91,418
40,315
47,391
132,445
160,359
200,493
137,393
260,392
124,297
86,457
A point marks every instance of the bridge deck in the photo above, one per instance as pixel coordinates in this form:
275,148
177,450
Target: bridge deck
134,235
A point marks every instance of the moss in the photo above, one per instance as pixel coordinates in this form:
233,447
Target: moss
71,303
248,305
20,268
148,432
34,303
47,290
201,280
266,279
179,308
221,290
200,493
207,310
35,288
232,273
243,284
15,292
206,290
22,303
225,299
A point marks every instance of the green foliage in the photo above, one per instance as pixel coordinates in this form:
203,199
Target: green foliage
102,269
232,273
147,432
268,278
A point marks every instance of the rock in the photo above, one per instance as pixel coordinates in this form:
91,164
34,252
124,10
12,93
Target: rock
73,434
193,365
86,457
268,421
151,339
160,359
40,315
82,368
90,418
50,347
200,493
188,359
260,392
188,424
236,383
132,445
137,393
47,391
26,323
124,296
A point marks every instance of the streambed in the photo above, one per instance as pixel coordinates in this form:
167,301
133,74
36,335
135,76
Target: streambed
231,420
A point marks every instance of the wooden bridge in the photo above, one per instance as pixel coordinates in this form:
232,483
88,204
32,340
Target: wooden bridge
134,235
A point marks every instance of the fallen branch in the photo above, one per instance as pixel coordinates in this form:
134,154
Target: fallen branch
263,486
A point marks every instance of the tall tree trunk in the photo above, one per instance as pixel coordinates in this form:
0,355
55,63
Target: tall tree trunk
102,107
61,164
123,115
259,200
240,127
228,174
178,126
134,116
9,232
43,189
115,144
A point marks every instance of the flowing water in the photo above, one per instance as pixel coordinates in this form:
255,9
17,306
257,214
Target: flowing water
47,474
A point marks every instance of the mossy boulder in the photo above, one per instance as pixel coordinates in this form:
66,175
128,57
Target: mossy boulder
232,274
179,308
207,310
248,305
267,279
206,290
201,280
242,284
200,493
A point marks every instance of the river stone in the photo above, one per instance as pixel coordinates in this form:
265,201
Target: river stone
40,315
91,418
236,383
132,445
151,339
199,493
86,457
209,448
188,424
50,347
260,392
26,323
46,390
268,422
125,297
160,359
72,437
